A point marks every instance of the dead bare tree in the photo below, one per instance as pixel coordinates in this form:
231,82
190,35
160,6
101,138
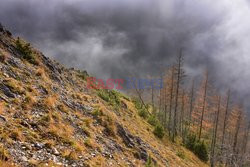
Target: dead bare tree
225,119
203,104
235,141
246,137
153,97
165,106
212,160
243,156
138,91
170,101
191,102
182,119
178,82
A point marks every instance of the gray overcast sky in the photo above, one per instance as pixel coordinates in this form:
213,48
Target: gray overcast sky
110,37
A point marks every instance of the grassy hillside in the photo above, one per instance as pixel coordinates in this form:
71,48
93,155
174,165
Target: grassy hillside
49,118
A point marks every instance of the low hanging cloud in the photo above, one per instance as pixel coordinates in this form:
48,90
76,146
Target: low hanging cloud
113,37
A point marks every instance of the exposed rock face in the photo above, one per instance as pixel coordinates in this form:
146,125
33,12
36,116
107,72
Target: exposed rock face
7,91
143,155
126,137
133,142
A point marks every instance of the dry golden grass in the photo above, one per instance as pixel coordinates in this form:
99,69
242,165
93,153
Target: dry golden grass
16,134
63,108
62,132
77,96
70,155
87,122
141,128
40,72
32,90
88,142
78,146
50,143
2,107
5,157
4,134
3,55
50,102
31,136
6,164
97,161
29,101
86,97
14,85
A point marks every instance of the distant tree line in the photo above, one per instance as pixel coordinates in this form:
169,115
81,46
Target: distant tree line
212,125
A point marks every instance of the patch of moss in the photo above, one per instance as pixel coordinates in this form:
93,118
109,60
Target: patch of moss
110,96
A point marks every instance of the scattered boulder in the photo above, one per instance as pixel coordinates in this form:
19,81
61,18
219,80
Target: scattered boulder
7,91
143,155
55,151
126,137
39,145
133,142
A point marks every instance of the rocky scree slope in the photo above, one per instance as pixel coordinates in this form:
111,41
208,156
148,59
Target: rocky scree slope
49,118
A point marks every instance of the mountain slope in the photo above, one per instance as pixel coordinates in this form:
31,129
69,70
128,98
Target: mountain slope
49,118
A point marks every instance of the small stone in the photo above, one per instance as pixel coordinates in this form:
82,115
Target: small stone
24,158
2,118
55,151
39,145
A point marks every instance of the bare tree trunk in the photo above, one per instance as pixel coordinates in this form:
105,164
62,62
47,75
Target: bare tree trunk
203,104
152,96
170,102
235,142
177,95
215,135
223,149
225,118
165,107
159,114
188,122
182,115
244,145
246,138
191,104
139,93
